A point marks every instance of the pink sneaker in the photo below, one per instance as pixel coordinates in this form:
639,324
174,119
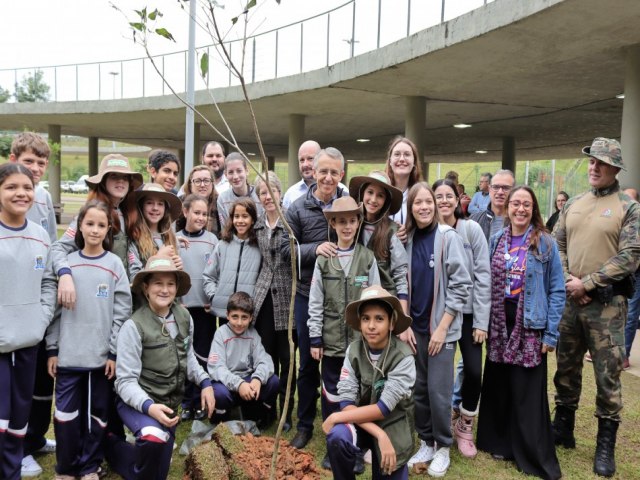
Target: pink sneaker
464,436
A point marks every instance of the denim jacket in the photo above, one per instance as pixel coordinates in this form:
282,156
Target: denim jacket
544,292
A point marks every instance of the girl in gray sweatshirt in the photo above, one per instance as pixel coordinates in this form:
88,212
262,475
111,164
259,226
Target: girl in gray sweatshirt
81,344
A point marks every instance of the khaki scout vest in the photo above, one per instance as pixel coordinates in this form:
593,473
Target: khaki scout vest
384,265
164,359
399,424
338,292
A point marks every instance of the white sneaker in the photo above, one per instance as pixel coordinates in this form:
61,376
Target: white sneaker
49,447
30,468
440,463
424,454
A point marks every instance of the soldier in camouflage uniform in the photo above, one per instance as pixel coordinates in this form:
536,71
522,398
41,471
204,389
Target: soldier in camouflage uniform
597,235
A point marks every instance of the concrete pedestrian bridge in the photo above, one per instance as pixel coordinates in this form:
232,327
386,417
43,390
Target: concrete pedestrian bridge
536,79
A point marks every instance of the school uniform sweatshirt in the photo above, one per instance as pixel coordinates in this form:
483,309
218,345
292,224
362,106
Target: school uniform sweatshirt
28,286
227,198
42,212
194,260
86,336
234,357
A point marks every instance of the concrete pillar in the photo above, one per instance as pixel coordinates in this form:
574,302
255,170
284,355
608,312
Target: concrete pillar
181,154
509,154
196,146
631,120
54,162
93,156
296,137
415,123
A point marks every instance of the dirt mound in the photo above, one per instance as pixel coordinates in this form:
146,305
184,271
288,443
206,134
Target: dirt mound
248,457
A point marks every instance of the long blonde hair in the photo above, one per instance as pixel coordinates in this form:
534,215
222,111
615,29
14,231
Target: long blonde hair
139,232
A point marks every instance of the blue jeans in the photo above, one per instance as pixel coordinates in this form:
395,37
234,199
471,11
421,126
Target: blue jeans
632,318
456,398
309,370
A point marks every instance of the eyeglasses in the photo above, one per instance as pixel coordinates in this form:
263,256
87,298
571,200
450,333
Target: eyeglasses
517,204
397,155
504,188
201,181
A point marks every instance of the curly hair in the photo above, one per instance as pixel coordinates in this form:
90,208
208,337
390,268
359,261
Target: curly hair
229,229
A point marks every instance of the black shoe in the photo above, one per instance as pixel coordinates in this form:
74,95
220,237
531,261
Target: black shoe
358,467
604,463
187,414
563,425
287,425
326,463
301,439
200,415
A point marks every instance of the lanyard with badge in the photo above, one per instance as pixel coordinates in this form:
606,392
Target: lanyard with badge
512,259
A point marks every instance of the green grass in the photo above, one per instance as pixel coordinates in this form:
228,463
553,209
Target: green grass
575,464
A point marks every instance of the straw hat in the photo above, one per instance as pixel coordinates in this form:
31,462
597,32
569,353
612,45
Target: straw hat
115,163
162,264
171,199
343,206
377,177
376,292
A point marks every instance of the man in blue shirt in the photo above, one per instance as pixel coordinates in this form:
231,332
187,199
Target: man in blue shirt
480,200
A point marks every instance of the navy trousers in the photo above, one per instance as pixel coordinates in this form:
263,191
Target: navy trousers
330,369
342,448
80,420
150,457
309,371
226,399
40,416
17,376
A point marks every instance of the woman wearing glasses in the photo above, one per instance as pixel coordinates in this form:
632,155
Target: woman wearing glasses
403,169
527,299
200,182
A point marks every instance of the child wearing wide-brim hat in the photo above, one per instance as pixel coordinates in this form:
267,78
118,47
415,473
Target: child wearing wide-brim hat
380,199
111,185
337,280
155,357
148,233
375,391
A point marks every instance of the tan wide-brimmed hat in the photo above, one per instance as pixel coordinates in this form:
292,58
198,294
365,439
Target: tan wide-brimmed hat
380,178
343,206
115,163
171,199
162,264
376,292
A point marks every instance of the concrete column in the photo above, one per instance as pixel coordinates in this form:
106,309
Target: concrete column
509,154
296,137
196,146
93,156
54,162
181,154
415,123
631,120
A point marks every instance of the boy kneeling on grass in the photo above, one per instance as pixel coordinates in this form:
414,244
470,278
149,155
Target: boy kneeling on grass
375,390
240,367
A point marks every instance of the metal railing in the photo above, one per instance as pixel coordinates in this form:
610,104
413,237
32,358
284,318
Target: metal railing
303,46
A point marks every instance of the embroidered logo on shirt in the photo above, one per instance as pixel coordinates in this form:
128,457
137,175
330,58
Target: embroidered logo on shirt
44,223
186,342
606,213
213,358
362,281
206,258
39,262
103,290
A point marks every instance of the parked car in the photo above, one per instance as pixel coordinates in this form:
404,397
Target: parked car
65,186
44,184
80,186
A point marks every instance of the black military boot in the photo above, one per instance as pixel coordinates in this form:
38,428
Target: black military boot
604,464
563,424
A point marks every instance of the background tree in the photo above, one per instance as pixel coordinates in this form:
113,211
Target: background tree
5,145
32,88
4,95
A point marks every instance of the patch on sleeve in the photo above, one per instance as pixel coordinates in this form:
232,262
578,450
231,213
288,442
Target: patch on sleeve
213,358
344,373
132,258
71,233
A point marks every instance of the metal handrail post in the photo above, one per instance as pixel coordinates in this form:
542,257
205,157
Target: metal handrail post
353,29
328,30
379,20
277,41
408,17
253,62
301,45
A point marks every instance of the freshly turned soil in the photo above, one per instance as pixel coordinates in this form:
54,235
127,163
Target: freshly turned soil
240,457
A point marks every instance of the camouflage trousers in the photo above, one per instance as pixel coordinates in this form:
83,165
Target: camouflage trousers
598,328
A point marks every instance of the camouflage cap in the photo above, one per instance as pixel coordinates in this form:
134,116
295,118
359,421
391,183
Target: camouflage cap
606,150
